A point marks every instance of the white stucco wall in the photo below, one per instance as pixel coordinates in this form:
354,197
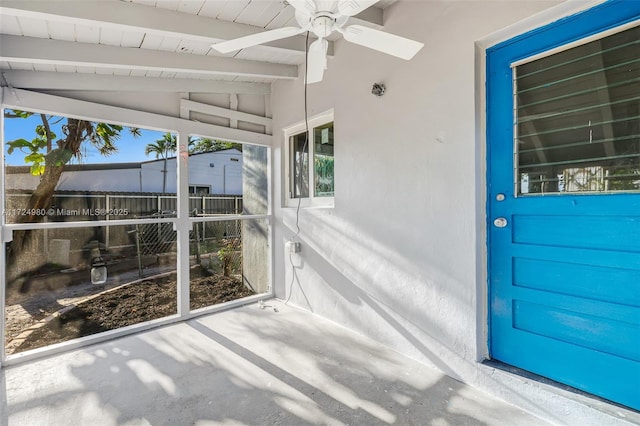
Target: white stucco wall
400,256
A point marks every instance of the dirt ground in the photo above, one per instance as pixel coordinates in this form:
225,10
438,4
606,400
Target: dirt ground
121,306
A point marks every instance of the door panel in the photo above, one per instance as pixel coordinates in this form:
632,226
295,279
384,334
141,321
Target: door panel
594,232
563,148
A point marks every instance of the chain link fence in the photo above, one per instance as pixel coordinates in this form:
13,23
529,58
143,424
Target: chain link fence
211,241
155,237
218,246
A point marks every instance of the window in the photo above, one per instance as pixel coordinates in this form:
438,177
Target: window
199,189
577,118
311,185
131,246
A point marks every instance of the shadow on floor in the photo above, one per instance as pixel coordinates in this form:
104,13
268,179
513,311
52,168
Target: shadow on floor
248,366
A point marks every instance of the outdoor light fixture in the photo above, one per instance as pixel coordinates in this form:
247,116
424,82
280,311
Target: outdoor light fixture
98,271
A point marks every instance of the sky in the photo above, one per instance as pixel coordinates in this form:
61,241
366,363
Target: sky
130,149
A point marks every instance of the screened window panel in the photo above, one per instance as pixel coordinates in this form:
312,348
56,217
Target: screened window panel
300,165
323,160
577,118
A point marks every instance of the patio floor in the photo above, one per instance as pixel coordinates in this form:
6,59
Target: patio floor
246,366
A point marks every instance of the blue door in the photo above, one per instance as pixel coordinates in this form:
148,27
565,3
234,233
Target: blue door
563,143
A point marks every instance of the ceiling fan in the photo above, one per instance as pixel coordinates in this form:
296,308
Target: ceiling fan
323,18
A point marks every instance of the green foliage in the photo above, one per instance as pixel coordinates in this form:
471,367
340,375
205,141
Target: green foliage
168,145
229,255
37,161
323,168
41,131
40,152
624,179
32,146
17,114
211,145
104,137
32,149
162,147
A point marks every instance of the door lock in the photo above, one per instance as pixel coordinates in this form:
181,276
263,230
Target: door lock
500,222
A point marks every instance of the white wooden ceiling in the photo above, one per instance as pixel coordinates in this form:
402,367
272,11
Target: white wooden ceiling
148,44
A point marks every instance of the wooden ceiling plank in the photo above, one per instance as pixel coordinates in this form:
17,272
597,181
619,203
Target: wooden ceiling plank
62,32
285,18
87,34
10,25
232,9
211,9
135,17
36,50
32,27
138,81
132,39
109,37
191,6
259,14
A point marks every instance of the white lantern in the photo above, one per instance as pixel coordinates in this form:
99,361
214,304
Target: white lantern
98,271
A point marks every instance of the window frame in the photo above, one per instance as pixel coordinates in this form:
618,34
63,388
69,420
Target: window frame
634,23
195,187
182,223
300,128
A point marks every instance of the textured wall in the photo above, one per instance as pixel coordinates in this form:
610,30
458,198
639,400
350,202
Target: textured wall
396,257
399,257
255,233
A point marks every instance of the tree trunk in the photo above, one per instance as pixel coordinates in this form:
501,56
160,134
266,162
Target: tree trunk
23,249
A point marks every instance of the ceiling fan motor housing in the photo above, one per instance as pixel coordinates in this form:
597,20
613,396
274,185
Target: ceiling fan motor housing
322,25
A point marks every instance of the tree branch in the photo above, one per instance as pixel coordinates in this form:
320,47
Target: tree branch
47,132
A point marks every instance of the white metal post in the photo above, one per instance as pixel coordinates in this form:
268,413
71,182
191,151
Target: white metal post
182,224
107,202
3,278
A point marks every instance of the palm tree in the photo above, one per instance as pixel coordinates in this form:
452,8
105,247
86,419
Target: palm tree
168,145
161,148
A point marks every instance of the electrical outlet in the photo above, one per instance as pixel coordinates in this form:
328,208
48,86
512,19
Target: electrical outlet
293,247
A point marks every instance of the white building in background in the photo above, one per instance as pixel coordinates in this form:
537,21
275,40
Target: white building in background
218,172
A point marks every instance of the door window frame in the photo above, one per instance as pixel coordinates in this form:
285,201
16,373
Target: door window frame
559,49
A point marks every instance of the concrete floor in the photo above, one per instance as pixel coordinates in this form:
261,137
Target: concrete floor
247,366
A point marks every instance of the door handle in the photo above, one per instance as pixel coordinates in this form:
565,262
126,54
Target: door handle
500,222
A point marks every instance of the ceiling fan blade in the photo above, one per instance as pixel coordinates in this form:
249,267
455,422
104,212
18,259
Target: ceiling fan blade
390,44
255,39
307,7
317,61
353,7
